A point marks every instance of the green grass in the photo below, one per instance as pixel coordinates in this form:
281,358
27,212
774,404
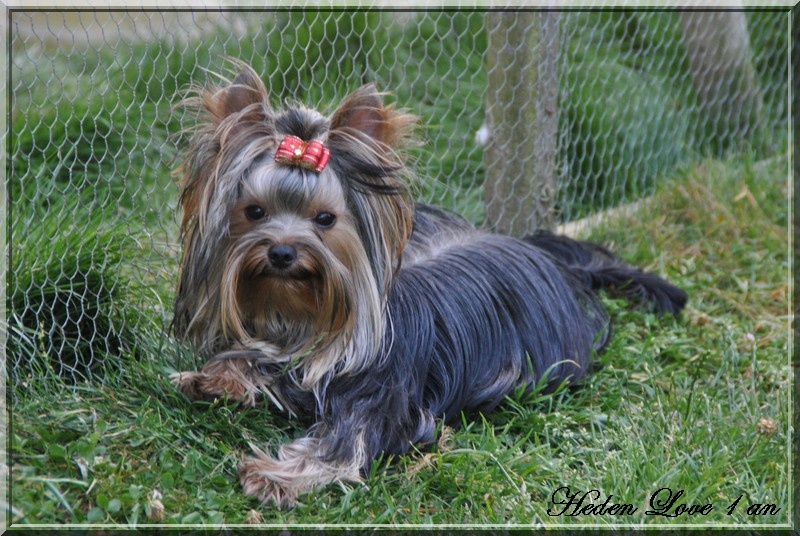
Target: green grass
65,313
677,404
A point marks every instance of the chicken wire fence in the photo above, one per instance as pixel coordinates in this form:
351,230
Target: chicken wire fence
530,119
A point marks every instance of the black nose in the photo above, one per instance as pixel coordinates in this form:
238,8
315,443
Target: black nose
282,255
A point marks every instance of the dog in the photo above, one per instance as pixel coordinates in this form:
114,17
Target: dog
311,278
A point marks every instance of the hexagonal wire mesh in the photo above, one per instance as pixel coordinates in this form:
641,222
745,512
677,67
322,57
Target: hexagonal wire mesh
530,119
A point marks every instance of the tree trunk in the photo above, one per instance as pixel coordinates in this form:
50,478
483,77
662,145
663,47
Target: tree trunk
724,79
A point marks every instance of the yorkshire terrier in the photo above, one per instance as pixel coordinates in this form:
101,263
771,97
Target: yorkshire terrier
310,277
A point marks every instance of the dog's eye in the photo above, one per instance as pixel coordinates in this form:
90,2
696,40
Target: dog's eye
254,213
325,219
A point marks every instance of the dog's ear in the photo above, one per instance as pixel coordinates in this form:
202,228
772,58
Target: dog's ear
366,139
226,118
363,111
246,90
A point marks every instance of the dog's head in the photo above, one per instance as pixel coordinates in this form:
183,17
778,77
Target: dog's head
293,222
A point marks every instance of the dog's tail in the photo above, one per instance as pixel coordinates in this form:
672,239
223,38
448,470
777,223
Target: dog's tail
601,269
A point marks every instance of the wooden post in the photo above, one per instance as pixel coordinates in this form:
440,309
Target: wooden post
522,120
724,79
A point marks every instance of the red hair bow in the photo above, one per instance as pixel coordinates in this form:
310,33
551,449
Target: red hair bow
295,152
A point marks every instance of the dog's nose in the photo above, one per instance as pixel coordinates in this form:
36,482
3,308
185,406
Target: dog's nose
282,255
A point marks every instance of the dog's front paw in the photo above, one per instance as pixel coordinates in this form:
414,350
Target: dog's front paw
255,475
208,387
298,468
194,385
